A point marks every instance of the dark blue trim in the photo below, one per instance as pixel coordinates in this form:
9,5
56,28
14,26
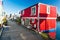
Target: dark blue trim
51,30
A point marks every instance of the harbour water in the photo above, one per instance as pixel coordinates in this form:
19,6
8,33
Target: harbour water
58,30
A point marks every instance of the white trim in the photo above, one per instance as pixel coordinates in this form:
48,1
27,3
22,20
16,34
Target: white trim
47,4
35,10
40,17
30,17
48,18
43,3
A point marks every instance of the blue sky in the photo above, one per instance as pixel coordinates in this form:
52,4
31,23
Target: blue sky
13,6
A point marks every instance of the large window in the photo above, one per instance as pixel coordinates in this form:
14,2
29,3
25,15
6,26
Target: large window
33,10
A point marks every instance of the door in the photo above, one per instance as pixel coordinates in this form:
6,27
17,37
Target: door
22,21
27,21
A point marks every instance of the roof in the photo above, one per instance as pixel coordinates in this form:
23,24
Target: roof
36,4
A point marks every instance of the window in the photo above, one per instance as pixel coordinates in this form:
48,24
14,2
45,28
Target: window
22,12
27,21
33,20
48,9
33,10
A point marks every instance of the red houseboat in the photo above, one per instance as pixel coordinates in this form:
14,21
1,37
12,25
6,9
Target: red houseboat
41,17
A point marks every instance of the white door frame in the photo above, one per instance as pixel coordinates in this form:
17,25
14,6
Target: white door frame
22,21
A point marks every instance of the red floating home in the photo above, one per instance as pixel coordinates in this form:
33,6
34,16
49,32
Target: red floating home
40,17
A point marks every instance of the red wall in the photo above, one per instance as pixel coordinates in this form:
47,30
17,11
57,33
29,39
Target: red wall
43,11
27,12
53,12
46,24
42,24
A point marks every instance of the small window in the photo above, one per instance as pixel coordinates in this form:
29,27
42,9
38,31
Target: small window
33,10
22,12
48,9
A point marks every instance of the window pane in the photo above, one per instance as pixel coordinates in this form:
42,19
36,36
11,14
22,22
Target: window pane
27,22
33,10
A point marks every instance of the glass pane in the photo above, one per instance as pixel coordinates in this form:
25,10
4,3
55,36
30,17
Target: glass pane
33,10
27,21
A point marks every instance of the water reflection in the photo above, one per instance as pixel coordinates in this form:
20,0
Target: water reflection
58,31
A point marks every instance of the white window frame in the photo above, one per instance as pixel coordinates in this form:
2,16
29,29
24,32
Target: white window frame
48,9
35,10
